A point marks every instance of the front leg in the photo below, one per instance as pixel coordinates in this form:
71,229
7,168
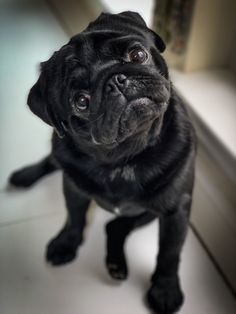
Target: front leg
63,248
165,295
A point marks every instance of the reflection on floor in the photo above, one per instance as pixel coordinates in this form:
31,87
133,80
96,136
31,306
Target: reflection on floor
28,219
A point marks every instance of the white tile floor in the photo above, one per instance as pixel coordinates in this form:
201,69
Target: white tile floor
28,219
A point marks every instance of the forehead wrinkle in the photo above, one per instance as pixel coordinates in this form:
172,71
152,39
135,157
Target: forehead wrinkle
79,78
126,40
88,50
118,47
101,33
99,39
117,24
83,50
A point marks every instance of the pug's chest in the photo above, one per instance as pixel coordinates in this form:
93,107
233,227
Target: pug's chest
120,191
113,186
118,183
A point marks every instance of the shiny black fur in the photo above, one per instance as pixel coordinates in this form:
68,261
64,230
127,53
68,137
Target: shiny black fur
132,151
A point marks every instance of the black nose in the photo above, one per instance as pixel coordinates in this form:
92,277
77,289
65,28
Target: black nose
116,83
119,79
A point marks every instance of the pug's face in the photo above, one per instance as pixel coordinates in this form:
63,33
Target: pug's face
107,88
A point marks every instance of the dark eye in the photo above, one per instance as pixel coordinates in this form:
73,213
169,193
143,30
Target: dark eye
81,102
137,55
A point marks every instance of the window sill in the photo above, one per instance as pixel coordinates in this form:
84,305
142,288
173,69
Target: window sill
211,98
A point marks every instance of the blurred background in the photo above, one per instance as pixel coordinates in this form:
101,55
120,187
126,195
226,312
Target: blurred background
201,54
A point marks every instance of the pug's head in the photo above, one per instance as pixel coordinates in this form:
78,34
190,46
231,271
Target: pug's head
108,88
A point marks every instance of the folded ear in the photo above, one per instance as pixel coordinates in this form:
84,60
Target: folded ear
40,105
36,100
159,43
134,16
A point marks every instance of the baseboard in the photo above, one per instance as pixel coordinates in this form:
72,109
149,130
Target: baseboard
214,213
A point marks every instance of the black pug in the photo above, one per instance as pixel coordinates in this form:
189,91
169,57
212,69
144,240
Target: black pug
123,138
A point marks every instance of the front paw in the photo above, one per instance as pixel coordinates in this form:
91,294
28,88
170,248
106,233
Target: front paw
117,267
63,248
23,178
165,296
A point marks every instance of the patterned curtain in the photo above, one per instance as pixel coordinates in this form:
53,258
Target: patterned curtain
172,20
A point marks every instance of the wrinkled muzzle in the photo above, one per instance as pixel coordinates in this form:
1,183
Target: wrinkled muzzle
129,105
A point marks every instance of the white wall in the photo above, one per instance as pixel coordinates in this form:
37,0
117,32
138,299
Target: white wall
145,8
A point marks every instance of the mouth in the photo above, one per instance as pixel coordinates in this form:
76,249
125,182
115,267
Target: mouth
106,145
138,116
134,119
